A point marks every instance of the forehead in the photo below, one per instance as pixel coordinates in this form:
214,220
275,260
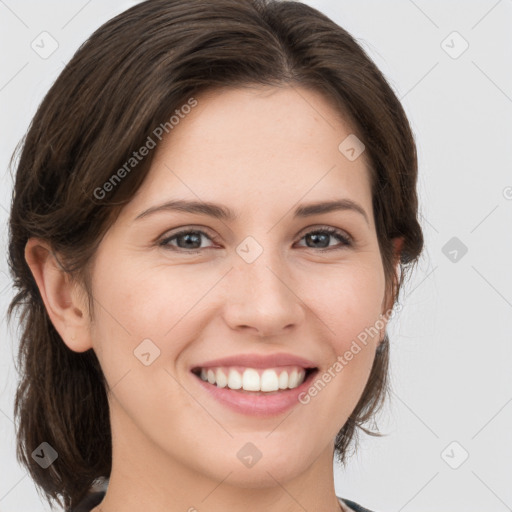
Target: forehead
249,146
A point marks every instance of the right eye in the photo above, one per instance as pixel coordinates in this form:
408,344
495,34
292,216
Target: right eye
187,240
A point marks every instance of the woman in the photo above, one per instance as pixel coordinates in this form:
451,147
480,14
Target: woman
214,210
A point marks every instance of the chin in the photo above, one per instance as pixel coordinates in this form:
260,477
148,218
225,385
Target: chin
260,464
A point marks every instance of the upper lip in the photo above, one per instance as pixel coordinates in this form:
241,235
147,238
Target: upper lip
258,361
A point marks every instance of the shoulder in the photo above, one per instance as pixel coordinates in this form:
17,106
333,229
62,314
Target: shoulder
354,506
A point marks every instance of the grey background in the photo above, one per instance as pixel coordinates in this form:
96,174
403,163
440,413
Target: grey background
452,341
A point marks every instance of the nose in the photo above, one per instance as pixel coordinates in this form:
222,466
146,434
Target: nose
261,298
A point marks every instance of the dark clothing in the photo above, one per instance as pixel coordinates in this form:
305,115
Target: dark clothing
89,502
354,506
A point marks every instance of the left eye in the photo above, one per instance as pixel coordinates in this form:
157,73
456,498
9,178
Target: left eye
322,235
191,239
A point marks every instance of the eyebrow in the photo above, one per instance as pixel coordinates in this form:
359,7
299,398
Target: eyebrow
221,212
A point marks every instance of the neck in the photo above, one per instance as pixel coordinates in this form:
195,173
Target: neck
143,477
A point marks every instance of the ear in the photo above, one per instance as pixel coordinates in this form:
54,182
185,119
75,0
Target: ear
64,300
398,243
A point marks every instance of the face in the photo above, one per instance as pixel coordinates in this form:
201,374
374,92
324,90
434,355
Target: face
275,291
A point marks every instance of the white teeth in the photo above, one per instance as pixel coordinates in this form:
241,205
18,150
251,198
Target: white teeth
250,379
283,380
234,379
293,379
222,380
269,381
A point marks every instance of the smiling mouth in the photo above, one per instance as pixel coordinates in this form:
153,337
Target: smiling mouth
255,380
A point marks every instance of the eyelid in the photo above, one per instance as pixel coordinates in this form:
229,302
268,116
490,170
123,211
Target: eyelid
185,229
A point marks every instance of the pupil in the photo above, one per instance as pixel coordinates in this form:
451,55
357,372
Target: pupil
320,237
194,238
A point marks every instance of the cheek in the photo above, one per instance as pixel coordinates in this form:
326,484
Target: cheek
147,303
138,333
352,313
147,310
127,309
348,302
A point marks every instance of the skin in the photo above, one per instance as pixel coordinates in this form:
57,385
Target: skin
261,152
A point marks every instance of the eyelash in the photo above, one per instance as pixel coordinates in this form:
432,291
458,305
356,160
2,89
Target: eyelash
346,240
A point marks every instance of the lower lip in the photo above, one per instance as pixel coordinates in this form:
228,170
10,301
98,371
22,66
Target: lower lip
257,404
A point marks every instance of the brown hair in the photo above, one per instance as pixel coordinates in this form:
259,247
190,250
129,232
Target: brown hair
128,78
